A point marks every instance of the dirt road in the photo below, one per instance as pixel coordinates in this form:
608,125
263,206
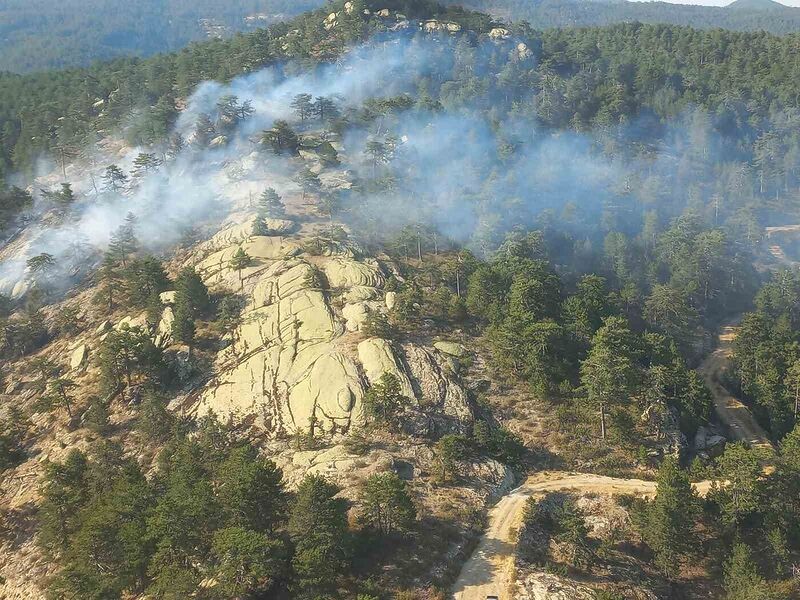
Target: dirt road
489,571
733,414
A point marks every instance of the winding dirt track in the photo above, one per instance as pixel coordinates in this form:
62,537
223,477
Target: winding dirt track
489,571
734,415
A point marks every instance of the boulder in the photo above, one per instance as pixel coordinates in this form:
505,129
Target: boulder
451,349
378,357
163,336
79,357
662,424
103,328
499,33
282,390
283,366
522,52
168,297
604,517
218,141
216,269
131,322
279,226
391,300
709,441
355,315
232,235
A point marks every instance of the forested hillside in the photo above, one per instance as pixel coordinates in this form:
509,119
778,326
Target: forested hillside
734,94
738,16
282,315
40,34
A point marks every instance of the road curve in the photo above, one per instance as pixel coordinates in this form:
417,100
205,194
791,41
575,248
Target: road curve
490,569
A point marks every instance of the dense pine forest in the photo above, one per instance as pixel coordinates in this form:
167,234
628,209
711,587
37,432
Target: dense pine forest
555,223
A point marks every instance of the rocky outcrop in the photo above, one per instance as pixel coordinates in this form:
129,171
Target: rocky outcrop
347,273
708,442
663,427
163,335
292,363
546,586
499,33
497,478
433,25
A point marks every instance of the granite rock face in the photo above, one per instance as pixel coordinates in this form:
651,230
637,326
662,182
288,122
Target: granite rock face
298,357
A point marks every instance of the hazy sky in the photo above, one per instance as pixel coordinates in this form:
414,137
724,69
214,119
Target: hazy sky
719,2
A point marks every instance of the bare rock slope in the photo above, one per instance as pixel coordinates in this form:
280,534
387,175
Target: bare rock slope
299,355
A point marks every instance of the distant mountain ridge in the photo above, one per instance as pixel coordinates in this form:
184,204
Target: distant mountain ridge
42,34
758,5
37,35
741,15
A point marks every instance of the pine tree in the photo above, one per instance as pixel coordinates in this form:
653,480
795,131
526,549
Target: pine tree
281,138
58,394
241,260
183,326
247,562
109,281
669,519
62,198
123,241
192,291
609,372
96,416
176,146
155,422
325,109
40,265
250,490
270,205
384,399
303,106
229,314
386,503
205,131
144,164
308,181
318,528
145,279
114,179
64,490
742,580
